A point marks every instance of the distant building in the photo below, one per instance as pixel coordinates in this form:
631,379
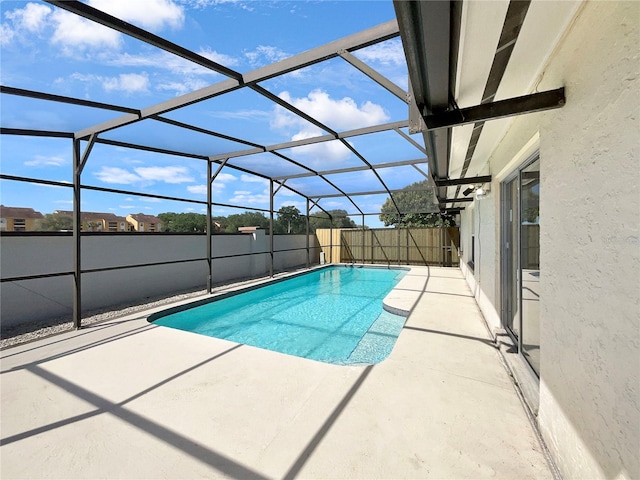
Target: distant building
18,219
98,221
248,229
140,222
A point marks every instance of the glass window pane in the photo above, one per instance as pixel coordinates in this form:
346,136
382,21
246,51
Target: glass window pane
530,262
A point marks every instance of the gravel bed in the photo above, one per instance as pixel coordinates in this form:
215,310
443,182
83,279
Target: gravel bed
28,332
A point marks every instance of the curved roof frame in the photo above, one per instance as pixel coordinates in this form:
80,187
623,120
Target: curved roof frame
235,81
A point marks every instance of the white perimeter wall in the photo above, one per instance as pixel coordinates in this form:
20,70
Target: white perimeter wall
34,300
589,411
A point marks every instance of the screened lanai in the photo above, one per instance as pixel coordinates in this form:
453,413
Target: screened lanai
324,124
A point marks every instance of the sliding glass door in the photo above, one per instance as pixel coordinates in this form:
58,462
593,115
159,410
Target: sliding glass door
521,259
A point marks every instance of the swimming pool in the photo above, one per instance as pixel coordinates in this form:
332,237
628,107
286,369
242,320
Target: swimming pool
332,315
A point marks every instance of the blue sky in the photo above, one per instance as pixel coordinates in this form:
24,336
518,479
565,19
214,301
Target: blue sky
49,50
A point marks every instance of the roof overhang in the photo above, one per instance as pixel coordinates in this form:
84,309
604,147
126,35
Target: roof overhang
472,65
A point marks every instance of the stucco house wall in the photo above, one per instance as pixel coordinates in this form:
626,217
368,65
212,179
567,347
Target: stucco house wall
589,387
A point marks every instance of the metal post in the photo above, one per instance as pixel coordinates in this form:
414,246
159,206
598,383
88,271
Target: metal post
271,228
363,238
209,226
79,161
210,179
308,253
77,250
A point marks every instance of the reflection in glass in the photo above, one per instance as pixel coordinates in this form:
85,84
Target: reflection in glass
511,311
530,262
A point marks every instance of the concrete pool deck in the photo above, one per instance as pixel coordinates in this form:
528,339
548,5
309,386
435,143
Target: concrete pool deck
127,399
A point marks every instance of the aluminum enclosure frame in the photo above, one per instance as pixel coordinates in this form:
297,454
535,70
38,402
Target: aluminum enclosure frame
430,35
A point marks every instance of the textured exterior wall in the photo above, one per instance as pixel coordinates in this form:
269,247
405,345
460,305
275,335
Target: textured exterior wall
480,218
41,299
589,411
590,248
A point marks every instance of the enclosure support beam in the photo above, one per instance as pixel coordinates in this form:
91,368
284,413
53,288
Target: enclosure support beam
535,102
209,226
210,179
271,194
77,243
374,75
462,181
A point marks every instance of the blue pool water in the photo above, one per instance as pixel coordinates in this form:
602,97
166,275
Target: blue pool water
332,315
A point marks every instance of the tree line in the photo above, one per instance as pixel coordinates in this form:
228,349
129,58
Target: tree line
415,202
288,220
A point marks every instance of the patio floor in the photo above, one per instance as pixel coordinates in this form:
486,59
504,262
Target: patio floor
127,399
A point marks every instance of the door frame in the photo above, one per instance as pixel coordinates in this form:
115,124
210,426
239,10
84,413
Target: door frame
504,236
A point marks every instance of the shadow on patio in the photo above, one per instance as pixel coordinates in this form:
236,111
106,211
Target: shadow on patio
126,399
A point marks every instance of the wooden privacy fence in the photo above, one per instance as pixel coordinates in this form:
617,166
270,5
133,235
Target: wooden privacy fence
398,246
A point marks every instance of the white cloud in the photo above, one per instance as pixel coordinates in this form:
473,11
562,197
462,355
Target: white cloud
251,179
212,3
6,34
150,14
186,85
148,175
127,207
31,18
385,53
74,32
219,184
248,115
265,54
288,203
246,198
127,82
46,161
66,202
226,60
198,189
173,63
164,174
342,114
117,175
333,204
333,150
225,177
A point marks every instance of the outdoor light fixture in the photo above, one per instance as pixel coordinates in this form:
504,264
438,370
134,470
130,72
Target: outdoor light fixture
467,191
481,193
